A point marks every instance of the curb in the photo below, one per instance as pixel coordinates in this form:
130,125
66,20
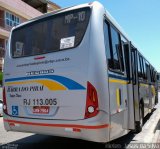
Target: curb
156,138
149,133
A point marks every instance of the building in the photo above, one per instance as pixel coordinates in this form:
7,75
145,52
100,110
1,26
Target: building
43,6
14,12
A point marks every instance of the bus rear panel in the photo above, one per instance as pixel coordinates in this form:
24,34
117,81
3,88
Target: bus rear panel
47,89
74,73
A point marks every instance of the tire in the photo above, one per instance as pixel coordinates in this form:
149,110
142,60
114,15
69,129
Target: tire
139,124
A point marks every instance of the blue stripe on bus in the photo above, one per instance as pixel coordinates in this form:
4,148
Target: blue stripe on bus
70,84
118,77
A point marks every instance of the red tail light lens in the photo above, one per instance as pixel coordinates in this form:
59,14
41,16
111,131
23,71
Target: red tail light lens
92,107
4,102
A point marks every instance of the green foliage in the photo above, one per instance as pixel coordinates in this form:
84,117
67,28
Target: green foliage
1,76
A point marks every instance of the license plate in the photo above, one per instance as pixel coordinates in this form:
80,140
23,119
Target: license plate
41,110
40,102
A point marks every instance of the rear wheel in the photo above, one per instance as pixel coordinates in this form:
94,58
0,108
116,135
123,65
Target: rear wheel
139,124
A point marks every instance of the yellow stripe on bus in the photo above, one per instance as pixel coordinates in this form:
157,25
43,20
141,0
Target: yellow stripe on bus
142,84
153,90
49,84
118,97
118,81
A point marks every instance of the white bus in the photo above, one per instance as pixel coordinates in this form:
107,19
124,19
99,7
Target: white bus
74,73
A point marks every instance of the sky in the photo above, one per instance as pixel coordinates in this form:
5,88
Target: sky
140,19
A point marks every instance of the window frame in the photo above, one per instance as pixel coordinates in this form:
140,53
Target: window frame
134,64
11,19
140,76
111,48
122,38
43,19
142,67
109,41
145,70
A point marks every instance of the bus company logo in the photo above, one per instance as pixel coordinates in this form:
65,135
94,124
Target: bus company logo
25,88
40,72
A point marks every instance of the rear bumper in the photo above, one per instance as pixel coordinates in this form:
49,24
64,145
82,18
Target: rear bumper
93,129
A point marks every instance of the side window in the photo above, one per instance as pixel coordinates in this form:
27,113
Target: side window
147,74
139,67
113,49
151,73
146,66
117,63
133,59
154,76
125,48
142,67
106,41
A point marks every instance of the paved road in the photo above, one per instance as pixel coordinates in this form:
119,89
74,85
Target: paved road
6,137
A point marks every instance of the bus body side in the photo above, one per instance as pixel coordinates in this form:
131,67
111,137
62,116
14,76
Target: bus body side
144,88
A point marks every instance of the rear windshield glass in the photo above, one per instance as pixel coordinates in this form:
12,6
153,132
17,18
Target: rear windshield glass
50,34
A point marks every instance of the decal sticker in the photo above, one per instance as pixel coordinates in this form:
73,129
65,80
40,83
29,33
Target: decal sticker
15,111
12,89
52,82
45,62
75,17
67,42
40,72
19,48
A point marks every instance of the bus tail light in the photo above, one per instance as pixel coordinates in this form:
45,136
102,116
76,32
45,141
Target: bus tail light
4,102
92,107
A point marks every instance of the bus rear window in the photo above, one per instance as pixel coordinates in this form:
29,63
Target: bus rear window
50,34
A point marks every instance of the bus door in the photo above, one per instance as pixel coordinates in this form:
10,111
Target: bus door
150,87
129,114
135,81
